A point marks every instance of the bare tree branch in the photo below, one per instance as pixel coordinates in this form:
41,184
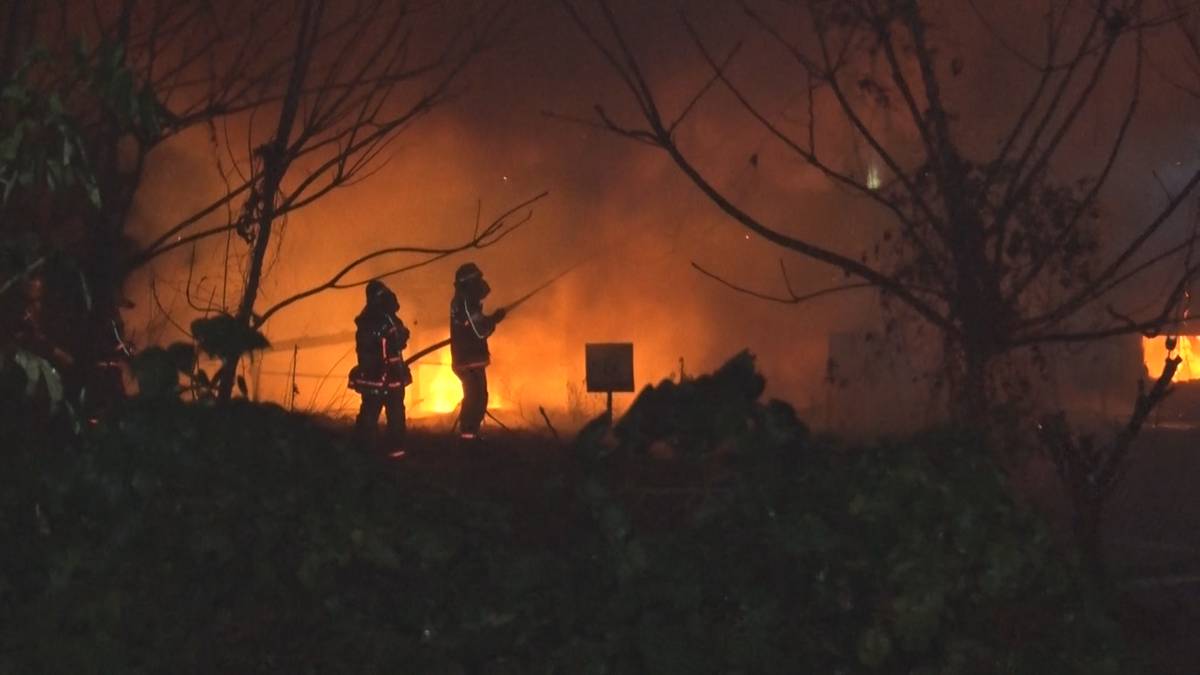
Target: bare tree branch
791,298
1008,243
488,236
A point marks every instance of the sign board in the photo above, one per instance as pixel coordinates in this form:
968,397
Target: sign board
609,366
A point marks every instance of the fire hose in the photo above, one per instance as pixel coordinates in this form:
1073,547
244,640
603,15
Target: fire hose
507,310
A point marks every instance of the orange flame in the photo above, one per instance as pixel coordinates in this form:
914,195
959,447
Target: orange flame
441,394
1187,348
1155,354
437,390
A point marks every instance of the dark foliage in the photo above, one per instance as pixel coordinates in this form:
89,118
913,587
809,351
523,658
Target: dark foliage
697,414
238,537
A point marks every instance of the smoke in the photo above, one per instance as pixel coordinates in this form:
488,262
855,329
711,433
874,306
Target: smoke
619,215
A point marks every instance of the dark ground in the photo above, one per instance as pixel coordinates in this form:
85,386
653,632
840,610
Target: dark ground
1153,546
1152,529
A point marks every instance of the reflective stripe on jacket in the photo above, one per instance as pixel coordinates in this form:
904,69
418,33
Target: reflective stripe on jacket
469,332
379,340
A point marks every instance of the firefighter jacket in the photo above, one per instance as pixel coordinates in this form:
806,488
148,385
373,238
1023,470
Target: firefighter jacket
379,339
469,331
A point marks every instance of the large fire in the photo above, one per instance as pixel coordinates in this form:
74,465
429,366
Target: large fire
313,380
436,390
441,394
1155,353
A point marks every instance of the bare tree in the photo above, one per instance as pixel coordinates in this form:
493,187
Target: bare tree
358,78
997,252
316,91
1181,66
130,75
54,202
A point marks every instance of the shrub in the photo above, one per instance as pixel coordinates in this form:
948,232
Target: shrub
243,538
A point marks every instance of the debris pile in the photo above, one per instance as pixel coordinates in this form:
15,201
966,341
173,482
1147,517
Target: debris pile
703,414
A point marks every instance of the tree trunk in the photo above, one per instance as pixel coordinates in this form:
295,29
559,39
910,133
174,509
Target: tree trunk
971,395
1086,524
105,259
245,313
275,162
977,384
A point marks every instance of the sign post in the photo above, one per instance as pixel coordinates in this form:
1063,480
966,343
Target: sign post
609,368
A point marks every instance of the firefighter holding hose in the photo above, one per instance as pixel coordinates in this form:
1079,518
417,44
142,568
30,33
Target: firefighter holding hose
469,354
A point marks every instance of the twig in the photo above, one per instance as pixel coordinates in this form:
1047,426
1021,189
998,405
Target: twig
549,424
493,233
1111,468
31,267
792,298
502,424
1091,474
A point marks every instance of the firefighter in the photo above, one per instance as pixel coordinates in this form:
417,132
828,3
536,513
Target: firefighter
381,375
469,355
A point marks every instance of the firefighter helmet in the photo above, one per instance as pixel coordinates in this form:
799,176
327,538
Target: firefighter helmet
467,272
379,295
469,281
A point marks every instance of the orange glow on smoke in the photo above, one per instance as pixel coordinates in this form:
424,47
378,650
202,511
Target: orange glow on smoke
1155,355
